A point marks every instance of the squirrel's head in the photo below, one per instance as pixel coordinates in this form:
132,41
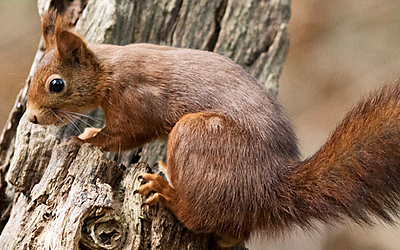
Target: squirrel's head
66,79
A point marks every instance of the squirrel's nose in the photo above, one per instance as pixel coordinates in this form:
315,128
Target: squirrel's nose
33,119
31,115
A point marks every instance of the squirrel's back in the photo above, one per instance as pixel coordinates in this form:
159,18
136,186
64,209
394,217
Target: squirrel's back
179,81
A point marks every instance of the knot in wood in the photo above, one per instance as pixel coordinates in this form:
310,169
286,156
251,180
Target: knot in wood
103,232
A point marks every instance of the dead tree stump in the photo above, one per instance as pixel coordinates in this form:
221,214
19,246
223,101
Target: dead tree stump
69,197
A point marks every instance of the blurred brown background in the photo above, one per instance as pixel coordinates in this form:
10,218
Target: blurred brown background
340,50
19,38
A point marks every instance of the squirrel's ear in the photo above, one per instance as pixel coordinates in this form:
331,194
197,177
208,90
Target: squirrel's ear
71,47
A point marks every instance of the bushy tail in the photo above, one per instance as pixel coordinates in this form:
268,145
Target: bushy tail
356,173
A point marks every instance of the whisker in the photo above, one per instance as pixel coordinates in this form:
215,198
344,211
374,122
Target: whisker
85,122
112,137
83,115
81,120
61,120
58,117
72,122
119,151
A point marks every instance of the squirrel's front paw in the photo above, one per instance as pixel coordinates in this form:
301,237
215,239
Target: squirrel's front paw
74,140
89,133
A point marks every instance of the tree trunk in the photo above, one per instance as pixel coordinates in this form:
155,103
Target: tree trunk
69,197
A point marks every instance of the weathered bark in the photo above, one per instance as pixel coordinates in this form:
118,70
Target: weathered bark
69,197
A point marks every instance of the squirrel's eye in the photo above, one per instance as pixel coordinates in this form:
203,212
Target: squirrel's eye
56,85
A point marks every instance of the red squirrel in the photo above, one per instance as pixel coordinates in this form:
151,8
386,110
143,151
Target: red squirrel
232,160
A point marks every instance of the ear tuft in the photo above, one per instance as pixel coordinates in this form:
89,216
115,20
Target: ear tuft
48,27
52,22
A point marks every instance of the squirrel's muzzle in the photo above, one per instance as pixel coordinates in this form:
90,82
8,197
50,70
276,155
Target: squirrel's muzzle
32,114
33,119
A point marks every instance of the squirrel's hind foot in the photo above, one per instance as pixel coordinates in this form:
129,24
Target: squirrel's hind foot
162,192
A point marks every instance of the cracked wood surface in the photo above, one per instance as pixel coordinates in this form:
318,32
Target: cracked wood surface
66,197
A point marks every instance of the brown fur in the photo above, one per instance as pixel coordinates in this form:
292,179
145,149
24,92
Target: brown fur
232,157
